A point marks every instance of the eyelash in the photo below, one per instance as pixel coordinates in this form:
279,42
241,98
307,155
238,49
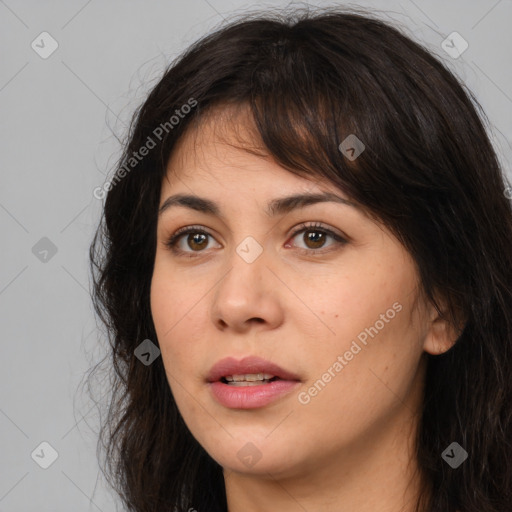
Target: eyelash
172,241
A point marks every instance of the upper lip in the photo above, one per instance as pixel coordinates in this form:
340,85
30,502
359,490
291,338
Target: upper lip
247,365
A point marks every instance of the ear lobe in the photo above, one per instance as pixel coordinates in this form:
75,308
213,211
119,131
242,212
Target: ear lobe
441,331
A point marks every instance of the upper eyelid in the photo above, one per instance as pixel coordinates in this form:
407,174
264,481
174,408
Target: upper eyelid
302,225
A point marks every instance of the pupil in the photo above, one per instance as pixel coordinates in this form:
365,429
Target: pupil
195,236
312,238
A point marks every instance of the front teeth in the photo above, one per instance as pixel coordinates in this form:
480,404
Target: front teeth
249,377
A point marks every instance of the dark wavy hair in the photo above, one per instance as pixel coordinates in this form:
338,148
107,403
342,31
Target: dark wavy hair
428,171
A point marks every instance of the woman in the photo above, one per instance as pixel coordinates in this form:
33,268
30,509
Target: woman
305,266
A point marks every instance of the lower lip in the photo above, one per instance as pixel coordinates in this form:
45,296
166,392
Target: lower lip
250,397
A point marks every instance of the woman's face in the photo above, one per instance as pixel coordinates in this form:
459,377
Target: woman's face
339,315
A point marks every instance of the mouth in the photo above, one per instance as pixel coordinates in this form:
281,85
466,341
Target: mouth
249,369
249,383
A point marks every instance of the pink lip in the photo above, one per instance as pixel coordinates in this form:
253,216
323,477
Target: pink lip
249,364
249,397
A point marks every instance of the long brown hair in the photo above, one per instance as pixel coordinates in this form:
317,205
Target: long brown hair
429,172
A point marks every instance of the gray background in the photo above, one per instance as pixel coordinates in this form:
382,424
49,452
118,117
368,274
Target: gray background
57,119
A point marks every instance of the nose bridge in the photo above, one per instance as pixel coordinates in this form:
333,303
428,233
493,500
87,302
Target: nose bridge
244,292
247,268
249,250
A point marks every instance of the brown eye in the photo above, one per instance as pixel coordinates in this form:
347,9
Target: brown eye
314,237
195,242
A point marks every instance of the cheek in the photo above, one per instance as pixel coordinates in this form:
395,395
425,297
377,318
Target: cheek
345,302
174,307
173,317
374,329
353,398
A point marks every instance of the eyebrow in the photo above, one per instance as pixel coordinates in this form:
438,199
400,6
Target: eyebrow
279,206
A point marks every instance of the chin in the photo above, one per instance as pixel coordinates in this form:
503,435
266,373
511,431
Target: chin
258,457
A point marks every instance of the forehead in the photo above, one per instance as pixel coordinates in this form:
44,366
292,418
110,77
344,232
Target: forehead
222,160
225,145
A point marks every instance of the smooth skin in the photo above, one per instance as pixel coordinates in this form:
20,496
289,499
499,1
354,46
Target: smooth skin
300,304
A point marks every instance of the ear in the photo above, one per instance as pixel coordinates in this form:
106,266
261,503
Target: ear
442,333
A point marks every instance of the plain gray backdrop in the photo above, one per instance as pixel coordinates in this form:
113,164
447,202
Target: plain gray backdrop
58,113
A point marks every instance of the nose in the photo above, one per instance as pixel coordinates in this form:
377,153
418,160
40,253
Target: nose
247,295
